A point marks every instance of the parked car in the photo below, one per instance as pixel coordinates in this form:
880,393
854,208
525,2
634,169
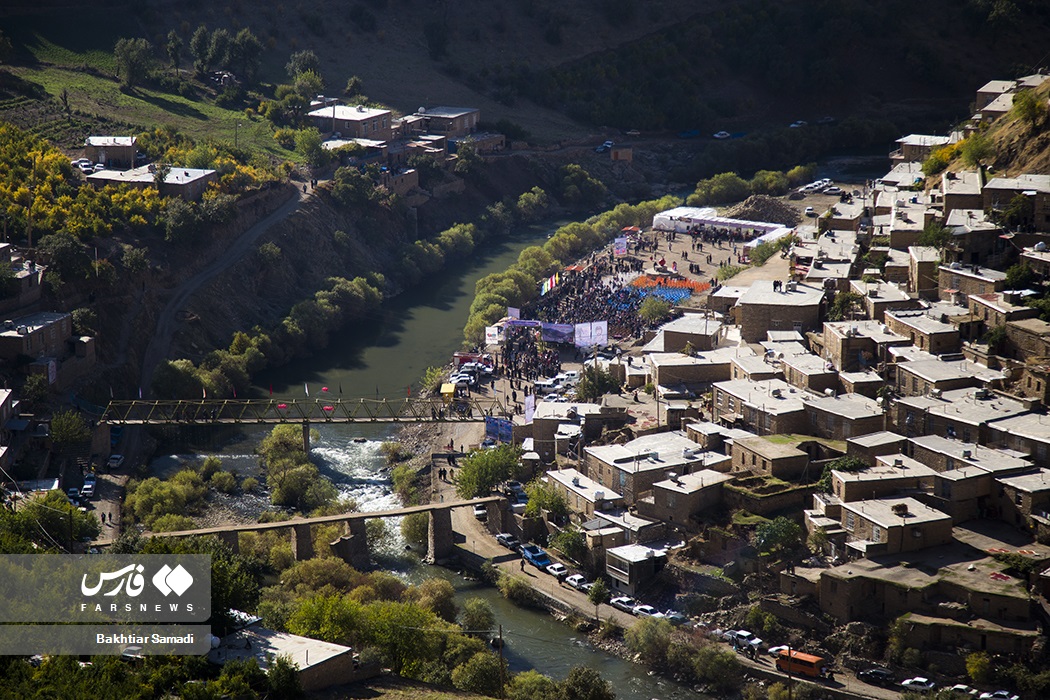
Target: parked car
797,124
508,540
999,695
775,651
115,461
962,689
557,570
923,685
833,190
513,487
73,493
86,168
721,135
88,491
577,581
877,676
89,478
646,611
535,556
625,603
481,512
676,618
604,147
810,211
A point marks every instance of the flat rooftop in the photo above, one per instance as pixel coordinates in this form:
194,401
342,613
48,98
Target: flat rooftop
761,293
921,321
691,483
582,486
851,406
1035,482
695,324
564,411
34,322
355,113
772,448
448,112
670,451
625,519
886,469
264,645
110,141
939,370
174,176
773,396
883,437
984,458
875,330
881,512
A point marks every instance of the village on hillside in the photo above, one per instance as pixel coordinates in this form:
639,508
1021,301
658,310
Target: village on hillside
885,396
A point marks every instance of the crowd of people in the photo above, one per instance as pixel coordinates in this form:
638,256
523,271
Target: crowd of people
718,235
592,295
523,358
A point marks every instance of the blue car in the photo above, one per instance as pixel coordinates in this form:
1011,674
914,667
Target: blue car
535,556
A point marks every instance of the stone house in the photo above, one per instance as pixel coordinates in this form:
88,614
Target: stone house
923,278
772,455
925,332
116,152
855,345
843,416
884,526
890,475
918,377
797,307
583,495
684,499
868,447
771,406
353,121
958,281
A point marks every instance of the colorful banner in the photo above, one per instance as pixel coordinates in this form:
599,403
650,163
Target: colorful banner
620,246
491,335
530,407
501,429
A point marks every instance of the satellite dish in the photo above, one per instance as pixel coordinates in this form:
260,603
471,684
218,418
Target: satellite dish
421,110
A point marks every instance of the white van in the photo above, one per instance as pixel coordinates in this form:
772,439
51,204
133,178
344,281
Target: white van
546,386
568,378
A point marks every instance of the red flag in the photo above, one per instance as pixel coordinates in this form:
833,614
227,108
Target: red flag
234,392
408,390
271,390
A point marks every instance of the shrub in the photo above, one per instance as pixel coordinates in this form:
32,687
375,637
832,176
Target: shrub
517,590
250,484
223,481
172,522
728,271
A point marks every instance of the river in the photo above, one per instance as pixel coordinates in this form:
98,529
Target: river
420,328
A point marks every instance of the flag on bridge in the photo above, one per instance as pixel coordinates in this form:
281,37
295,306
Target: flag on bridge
306,388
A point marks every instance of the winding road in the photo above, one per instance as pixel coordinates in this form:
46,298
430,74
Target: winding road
164,333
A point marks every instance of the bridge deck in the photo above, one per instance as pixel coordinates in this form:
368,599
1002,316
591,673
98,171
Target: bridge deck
322,410
323,519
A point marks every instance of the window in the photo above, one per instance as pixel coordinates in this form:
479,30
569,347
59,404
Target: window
752,460
850,521
876,533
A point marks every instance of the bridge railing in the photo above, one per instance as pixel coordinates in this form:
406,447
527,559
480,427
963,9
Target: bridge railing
206,411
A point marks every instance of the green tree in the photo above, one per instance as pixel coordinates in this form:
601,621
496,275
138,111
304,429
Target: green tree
654,310
245,54
544,497
482,674
302,62
718,668
844,305
395,629
584,683
532,685
436,595
1019,276
771,182
599,595
976,149
173,48
68,428
1029,108
36,389
595,382
199,45
477,617
778,535
935,163
84,321
282,679
572,543
650,637
219,49
133,58
723,188
483,469
934,234
354,86
532,205
333,618
801,174
308,145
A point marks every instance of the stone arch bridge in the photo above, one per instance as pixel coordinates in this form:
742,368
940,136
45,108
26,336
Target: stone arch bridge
353,546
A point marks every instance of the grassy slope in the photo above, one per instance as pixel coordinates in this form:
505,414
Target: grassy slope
74,55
